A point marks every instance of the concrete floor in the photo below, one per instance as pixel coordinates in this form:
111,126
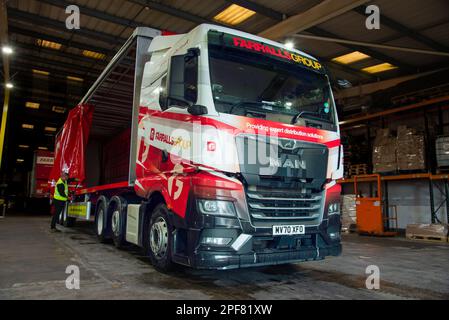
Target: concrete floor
33,263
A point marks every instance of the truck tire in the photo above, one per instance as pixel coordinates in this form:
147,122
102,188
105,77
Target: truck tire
158,242
102,221
117,207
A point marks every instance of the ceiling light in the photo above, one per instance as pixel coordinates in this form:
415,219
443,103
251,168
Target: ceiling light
7,50
24,146
379,68
58,109
351,57
9,85
50,129
289,45
42,148
94,55
32,105
20,160
234,14
75,79
27,126
41,72
48,44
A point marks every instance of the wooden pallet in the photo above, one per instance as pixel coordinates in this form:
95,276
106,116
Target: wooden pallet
434,238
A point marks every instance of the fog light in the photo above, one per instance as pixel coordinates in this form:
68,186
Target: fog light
216,241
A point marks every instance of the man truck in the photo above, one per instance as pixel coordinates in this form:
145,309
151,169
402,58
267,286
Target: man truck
214,149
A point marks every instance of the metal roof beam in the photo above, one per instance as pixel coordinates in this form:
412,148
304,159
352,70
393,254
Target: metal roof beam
59,25
64,42
80,58
372,53
415,35
60,64
316,15
27,67
171,11
94,13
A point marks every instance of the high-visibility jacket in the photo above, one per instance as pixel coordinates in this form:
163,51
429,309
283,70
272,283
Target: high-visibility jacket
59,196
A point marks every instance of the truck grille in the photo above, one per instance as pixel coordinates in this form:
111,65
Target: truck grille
281,205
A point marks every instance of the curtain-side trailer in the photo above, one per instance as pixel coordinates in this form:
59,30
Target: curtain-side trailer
212,149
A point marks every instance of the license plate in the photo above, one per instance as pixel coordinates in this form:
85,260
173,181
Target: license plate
288,230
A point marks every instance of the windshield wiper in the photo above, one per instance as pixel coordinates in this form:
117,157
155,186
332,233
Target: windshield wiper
242,103
311,114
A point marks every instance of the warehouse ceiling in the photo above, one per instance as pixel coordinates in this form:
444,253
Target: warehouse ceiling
52,66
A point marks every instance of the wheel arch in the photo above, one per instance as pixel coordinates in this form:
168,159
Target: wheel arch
156,198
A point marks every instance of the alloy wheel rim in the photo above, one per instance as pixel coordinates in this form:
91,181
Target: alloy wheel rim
116,222
159,238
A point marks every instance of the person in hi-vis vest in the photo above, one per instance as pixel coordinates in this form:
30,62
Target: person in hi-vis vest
60,197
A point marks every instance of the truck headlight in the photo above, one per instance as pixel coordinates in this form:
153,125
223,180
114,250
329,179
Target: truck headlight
217,207
334,208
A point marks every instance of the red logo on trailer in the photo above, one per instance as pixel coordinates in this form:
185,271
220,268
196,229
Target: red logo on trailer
211,146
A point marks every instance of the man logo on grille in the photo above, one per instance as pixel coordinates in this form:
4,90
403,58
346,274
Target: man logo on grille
288,144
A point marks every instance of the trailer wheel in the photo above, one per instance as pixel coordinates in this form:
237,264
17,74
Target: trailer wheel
118,221
102,225
158,243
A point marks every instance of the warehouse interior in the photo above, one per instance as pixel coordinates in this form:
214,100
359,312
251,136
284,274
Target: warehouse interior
391,90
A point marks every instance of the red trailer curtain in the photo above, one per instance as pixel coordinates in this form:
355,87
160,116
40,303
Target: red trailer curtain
71,143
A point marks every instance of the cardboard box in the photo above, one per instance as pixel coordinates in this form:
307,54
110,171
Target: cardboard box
427,230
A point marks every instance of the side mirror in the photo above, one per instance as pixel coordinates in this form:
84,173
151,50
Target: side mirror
193,53
183,78
175,83
197,110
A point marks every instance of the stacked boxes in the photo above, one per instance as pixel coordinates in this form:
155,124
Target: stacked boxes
406,152
442,149
410,150
384,152
348,212
427,231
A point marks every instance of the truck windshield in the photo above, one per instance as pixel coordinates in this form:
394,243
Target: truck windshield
257,86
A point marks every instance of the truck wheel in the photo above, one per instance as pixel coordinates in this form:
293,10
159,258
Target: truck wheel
159,239
118,221
102,224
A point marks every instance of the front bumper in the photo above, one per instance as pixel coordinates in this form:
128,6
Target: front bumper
227,260
250,245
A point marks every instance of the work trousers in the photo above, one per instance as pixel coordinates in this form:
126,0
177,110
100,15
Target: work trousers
59,208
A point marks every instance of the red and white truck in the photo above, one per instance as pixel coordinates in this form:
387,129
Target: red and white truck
38,186
213,149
